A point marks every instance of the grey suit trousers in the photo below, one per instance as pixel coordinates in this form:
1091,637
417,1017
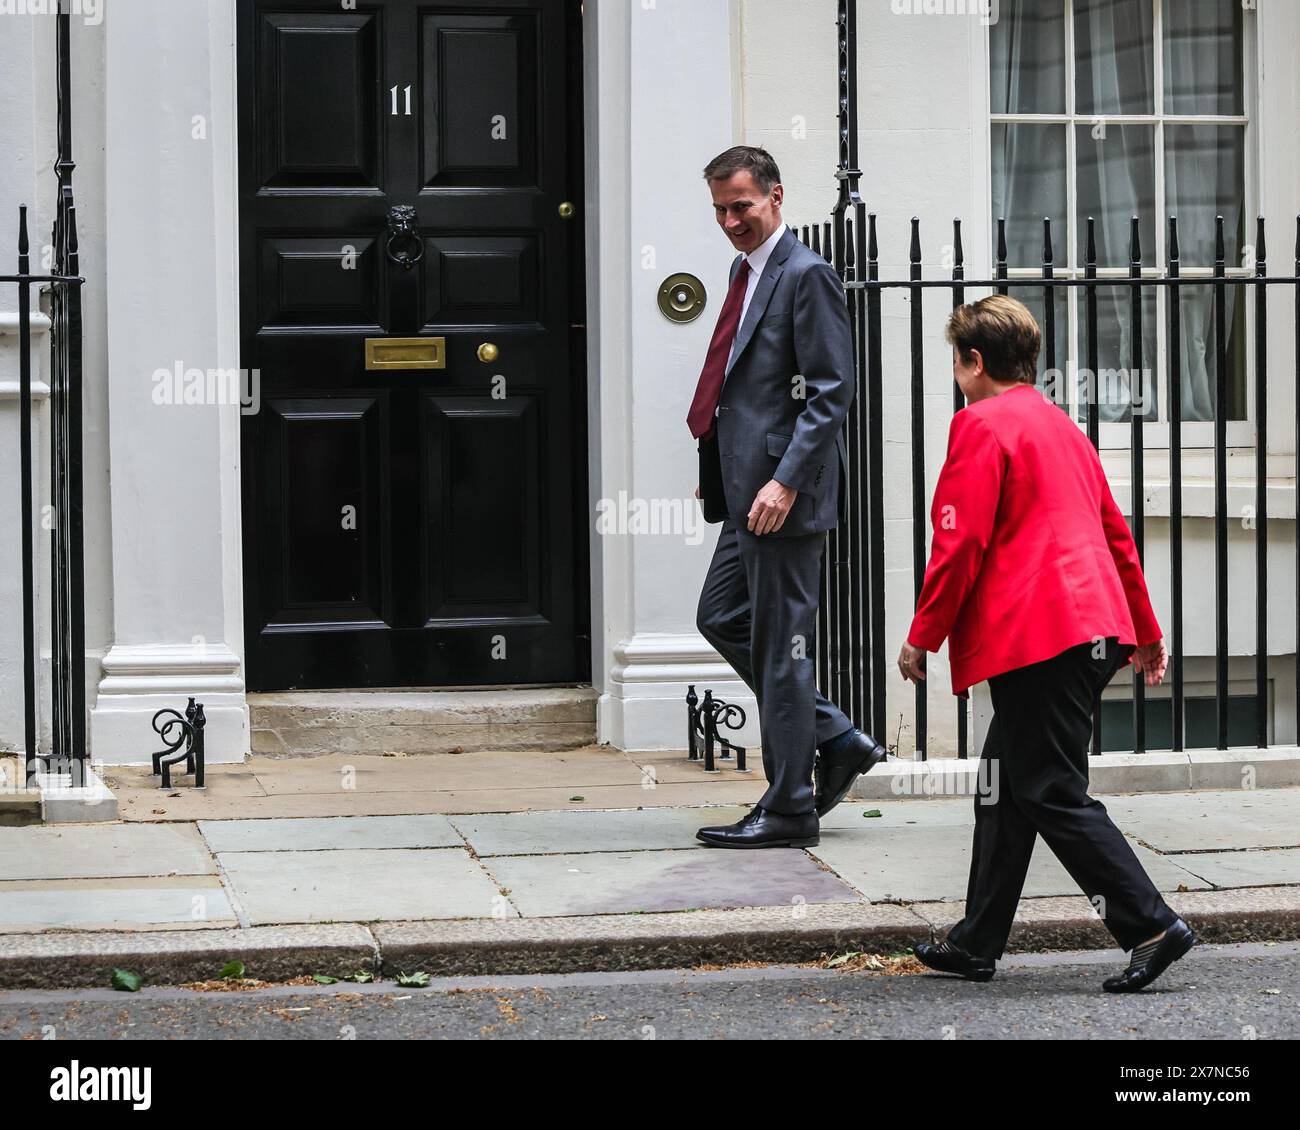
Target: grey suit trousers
758,608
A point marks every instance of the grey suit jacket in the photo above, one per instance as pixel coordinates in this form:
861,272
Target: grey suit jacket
797,325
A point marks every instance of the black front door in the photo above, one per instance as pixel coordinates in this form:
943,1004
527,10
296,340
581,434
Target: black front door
413,170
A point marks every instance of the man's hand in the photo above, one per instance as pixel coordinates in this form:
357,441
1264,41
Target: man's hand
771,505
1151,659
911,662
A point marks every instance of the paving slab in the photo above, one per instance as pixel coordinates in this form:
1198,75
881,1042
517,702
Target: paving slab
1233,818
360,885
1268,868
932,863
114,904
677,768
329,833
850,817
192,806
101,851
137,783
554,833
645,881
446,772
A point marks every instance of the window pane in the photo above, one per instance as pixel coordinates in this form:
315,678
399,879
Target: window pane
1205,177
1027,58
1115,383
1198,352
1117,181
1028,184
1115,57
1203,57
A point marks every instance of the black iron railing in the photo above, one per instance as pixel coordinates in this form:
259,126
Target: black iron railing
67,600
853,637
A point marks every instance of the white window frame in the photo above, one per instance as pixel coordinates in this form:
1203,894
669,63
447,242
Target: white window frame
1118,435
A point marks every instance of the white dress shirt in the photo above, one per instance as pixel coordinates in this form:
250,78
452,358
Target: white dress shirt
757,260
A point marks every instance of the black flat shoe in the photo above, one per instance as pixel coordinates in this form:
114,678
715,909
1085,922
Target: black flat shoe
949,958
1148,961
760,829
839,763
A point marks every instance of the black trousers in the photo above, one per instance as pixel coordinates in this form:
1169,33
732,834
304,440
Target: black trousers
1037,760
758,608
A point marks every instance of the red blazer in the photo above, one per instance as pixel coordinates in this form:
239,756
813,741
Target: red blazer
1030,554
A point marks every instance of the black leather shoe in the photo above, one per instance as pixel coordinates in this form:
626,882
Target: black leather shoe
760,829
1148,961
838,765
949,958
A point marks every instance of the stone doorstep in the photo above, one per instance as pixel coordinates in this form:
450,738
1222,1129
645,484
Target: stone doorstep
312,723
1108,773
624,942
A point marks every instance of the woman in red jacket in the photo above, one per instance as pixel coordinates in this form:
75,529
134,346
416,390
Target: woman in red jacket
1035,583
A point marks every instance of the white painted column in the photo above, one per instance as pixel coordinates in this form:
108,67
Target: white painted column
172,287
661,107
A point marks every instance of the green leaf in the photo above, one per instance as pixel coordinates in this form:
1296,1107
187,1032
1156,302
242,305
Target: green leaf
840,959
324,979
577,798
361,977
124,981
232,972
413,980
870,813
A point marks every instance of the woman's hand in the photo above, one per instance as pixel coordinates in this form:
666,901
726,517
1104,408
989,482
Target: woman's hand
1151,659
911,662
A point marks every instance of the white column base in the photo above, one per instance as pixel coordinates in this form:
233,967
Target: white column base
141,680
76,796
644,707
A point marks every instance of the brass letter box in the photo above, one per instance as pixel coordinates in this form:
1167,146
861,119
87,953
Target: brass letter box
406,353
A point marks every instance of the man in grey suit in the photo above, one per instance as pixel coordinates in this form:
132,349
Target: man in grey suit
768,413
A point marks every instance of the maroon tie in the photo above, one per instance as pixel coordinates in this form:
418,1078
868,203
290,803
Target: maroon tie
701,418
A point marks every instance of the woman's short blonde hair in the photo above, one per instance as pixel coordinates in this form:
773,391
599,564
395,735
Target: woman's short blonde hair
1005,333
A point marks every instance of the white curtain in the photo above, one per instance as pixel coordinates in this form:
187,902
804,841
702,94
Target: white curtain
1204,177
1204,165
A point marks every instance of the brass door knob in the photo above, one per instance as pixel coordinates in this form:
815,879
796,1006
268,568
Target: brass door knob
487,353
567,210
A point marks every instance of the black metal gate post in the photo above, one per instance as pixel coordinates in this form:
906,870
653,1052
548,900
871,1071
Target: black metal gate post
68,691
67,569
25,485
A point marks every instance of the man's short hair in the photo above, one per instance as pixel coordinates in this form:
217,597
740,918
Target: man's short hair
745,158
1005,333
